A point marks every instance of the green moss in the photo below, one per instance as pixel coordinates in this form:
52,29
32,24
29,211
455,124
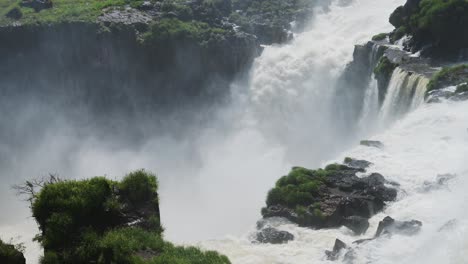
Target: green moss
440,23
449,76
384,67
318,213
380,36
297,188
172,30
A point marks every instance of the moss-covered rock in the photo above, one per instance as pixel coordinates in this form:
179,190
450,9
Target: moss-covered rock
11,254
327,197
449,76
383,73
380,37
437,25
103,221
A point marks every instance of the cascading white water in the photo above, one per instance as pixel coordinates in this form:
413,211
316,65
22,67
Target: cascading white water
405,92
430,141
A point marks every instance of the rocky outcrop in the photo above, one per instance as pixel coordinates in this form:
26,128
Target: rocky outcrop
372,143
337,248
272,235
9,254
331,197
358,164
389,226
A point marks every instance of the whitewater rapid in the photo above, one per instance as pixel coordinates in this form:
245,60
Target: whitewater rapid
431,141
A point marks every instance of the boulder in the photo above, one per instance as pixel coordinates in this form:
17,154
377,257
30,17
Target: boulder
37,5
390,226
335,197
355,163
273,236
372,143
357,224
14,13
335,252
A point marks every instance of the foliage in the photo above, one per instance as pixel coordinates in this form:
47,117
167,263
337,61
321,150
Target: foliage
440,23
91,221
449,76
11,254
380,36
297,188
384,67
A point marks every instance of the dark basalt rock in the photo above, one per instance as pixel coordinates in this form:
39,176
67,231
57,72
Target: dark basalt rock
37,5
334,254
390,226
273,236
14,13
359,164
342,199
372,143
357,224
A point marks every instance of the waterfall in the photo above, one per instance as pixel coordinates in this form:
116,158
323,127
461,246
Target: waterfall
405,92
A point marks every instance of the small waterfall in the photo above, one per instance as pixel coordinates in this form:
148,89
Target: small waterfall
405,92
370,107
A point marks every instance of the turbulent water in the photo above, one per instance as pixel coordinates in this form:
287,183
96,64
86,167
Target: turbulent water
214,183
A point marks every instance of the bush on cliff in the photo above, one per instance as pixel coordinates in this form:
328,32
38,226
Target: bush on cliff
103,221
297,188
449,76
439,23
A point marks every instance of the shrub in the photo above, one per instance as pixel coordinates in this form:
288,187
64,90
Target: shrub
138,187
449,76
380,36
384,67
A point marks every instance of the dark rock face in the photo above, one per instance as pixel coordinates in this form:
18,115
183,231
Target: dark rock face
358,164
273,236
372,143
343,199
333,254
357,224
14,13
390,226
440,35
10,255
37,5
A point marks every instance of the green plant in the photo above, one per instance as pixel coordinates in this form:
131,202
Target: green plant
462,88
380,36
448,76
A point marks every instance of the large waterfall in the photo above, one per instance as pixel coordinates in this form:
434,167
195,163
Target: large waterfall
214,182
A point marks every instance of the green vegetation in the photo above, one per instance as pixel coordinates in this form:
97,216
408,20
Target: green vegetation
297,189
102,221
441,23
385,67
175,30
62,11
449,76
380,36
11,254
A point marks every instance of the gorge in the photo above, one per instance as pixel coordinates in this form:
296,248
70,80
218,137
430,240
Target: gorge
220,100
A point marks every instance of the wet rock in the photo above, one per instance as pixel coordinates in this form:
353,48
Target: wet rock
357,224
355,163
334,254
342,199
372,143
37,5
390,226
448,226
14,13
128,16
274,236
